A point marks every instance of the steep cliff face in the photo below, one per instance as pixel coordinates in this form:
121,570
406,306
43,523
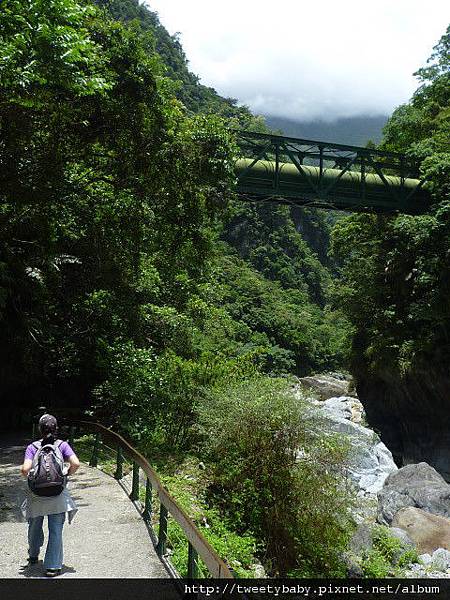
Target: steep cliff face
395,286
412,415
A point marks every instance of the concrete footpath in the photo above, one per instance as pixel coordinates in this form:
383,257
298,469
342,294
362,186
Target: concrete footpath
107,538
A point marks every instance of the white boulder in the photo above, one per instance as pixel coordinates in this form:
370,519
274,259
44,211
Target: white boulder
370,461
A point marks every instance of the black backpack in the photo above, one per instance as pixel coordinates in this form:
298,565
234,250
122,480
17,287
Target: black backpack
46,477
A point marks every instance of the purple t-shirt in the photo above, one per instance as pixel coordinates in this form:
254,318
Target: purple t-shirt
66,451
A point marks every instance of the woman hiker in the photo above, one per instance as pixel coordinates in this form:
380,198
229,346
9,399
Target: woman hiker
35,507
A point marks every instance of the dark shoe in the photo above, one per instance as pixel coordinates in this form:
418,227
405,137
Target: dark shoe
52,572
32,560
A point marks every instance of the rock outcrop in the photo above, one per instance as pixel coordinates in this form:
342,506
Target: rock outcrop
431,566
414,500
418,486
370,462
326,386
438,561
402,536
428,532
411,415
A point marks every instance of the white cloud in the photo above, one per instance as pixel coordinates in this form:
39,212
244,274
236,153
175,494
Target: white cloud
307,59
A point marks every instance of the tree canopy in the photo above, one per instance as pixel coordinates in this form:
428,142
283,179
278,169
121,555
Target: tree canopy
397,269
115,192
109,192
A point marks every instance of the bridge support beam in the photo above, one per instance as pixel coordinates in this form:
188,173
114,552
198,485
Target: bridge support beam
327,175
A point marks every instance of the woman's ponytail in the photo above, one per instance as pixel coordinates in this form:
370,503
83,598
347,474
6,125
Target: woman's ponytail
48,438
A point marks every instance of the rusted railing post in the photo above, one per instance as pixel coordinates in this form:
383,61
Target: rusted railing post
198,548
192,562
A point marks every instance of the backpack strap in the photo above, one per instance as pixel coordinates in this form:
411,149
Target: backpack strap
56,444
36,445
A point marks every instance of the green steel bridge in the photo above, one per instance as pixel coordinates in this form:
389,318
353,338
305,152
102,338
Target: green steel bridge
327,175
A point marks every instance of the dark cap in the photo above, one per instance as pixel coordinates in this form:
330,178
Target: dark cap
48,424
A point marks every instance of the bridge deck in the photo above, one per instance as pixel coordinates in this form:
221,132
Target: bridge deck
107,538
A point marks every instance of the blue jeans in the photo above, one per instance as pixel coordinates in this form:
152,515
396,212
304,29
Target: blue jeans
54,553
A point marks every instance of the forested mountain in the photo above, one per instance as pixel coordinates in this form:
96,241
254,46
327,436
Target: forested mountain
287,247
196,97
355,131
134,284
34,275
397,270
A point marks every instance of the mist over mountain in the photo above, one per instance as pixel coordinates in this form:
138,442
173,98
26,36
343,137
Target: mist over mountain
355,131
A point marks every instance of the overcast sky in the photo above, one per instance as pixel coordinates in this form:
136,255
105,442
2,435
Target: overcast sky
307,59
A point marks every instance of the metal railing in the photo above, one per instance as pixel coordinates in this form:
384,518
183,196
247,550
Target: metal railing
198,546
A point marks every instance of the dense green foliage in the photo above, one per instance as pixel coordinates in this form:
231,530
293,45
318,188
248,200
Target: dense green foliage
275,474
388,557
109,233
281,244
300,337
397,269
109,194
196,97
189,484
133,283
267,238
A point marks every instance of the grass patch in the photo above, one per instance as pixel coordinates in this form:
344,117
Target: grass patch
388,557
188,485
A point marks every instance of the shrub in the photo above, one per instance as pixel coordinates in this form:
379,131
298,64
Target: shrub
153,398
186,479
276,475
388,556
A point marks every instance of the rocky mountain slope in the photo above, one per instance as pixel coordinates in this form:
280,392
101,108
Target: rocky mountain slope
413,501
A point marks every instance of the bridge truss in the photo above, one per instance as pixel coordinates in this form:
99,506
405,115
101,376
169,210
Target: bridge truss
327,175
